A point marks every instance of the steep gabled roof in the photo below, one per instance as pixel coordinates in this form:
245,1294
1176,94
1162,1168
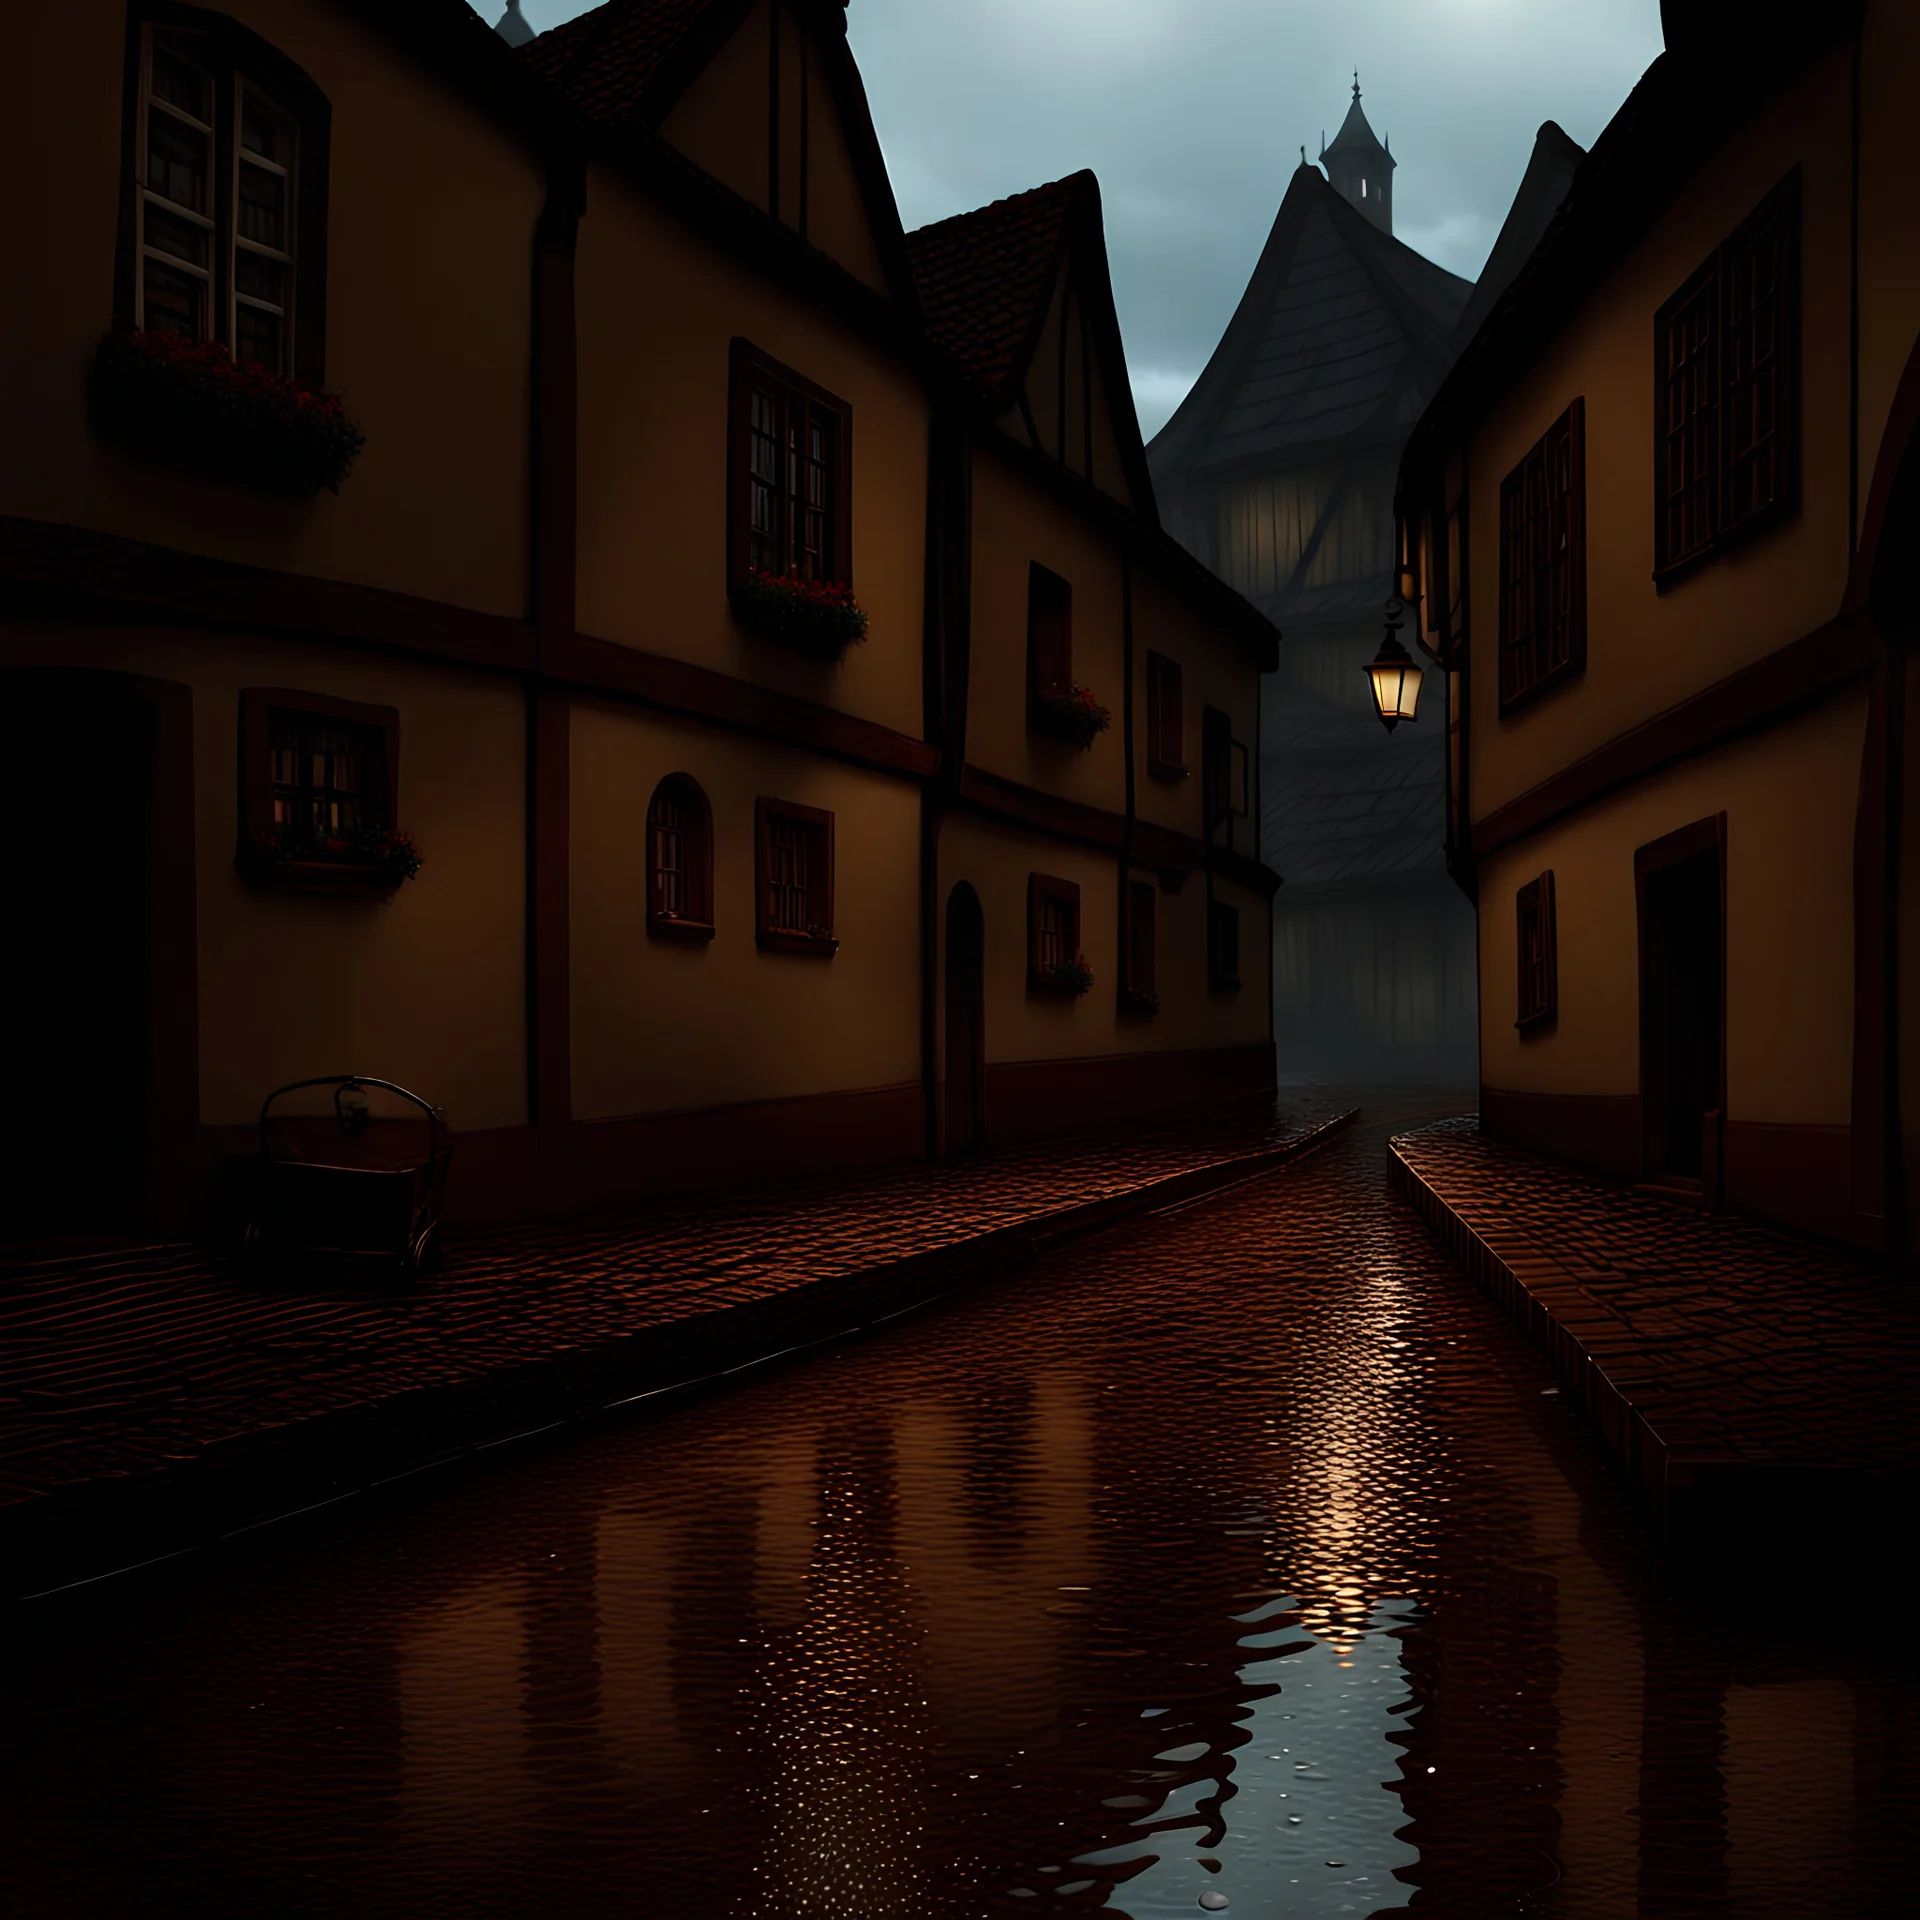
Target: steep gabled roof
985,281
1337,317
985,277
1543,188
616,62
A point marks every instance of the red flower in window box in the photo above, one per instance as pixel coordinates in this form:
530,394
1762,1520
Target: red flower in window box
810,614
1073,976
192,401
382,853
1071,714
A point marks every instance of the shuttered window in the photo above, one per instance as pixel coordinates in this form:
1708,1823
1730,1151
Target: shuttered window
794,877
1543,562
1539,960
1166,746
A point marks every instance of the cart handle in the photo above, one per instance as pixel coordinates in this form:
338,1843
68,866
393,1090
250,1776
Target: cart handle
346,1082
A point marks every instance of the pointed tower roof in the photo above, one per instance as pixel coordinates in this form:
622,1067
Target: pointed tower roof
512,26
1355,134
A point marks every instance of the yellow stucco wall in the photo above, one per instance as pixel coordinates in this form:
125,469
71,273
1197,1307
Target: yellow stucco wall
658,1026
1790,797
996,862
429,988
1647,649
658,310
428,315
1214,672
1016,522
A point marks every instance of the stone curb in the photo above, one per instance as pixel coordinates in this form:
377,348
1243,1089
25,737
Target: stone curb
1712,1516
75,1535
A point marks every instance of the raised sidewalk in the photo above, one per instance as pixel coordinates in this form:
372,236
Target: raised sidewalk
1760,1391
149,1404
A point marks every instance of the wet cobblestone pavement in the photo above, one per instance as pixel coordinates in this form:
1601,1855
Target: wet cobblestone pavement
1245,1550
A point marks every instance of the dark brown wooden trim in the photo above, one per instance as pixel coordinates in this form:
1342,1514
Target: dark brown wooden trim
1596,1130
173,966
1041,1099
678,686
550,915
1759,695
87,571
254,766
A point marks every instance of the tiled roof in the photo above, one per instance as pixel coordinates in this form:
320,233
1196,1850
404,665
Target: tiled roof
984,277
605,60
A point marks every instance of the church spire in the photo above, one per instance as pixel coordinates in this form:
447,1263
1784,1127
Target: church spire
1360,167
512,26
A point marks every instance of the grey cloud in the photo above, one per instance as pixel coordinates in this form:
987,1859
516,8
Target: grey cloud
1193,113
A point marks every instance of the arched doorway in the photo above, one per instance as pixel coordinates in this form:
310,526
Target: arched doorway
966,1021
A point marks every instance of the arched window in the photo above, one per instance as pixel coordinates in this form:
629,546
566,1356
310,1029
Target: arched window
679,861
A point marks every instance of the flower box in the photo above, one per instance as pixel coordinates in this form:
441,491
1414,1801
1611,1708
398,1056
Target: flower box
811,615
194,403
1137,1000
357,861
1068,978
1071,714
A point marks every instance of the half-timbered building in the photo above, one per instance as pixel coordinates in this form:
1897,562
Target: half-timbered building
1655,520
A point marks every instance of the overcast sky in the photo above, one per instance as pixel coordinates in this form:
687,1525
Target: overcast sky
1193,114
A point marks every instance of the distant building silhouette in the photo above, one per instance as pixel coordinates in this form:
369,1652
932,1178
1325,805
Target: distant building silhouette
512,26
1278,471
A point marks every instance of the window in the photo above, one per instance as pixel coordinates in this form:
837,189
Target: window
1053,931
1166,747
1539,960
227,208
1223,947
793,877
1543,563
1049,632
1727,389
1139,991
311,764
1216,768
791,455
1239,780
679,861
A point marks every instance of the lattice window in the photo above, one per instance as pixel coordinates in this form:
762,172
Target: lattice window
1538,959
1728,388
679,860
214,262
795,876
1543,562
326,775
1053,927
792,449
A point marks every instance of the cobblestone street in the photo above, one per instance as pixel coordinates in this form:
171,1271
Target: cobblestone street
1244,1548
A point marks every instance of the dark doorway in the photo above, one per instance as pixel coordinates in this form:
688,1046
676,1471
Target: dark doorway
966,1021
76,780
1681,886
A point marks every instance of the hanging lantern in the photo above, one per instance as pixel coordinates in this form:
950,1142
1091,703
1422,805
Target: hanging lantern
1394,677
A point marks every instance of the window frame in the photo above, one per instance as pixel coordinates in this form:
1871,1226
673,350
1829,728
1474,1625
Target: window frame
257,708
1049,613
235,59
750,366
1216,768
1537,987
1166,719
1041,889
693,928
818,823
1536,468
1726,529
1223,932
1138,995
